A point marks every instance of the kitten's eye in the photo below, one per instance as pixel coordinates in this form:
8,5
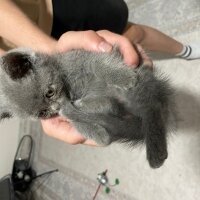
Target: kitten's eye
50,93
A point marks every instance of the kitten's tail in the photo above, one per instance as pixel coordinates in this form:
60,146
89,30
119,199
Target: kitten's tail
151,100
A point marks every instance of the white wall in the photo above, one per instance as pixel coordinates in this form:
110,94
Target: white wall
9,131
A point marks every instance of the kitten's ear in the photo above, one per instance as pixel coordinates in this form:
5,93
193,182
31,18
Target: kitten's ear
17,65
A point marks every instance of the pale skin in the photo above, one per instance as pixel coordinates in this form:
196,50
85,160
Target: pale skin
13,20
152,39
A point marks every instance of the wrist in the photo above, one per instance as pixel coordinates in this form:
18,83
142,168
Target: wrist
48,46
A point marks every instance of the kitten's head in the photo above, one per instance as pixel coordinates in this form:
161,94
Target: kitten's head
30,84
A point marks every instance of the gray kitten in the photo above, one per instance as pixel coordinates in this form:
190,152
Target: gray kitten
102,97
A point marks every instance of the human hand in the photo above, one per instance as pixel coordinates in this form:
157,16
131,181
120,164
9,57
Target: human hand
60,128
2,52
101,41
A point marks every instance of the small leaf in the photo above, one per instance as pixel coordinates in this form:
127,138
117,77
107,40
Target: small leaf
117,181
107,190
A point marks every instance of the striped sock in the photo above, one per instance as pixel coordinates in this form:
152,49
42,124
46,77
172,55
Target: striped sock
186,52
190,52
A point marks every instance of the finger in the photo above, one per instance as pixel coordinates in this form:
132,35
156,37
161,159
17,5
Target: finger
88,40
90,143
146,60
129,53
62,130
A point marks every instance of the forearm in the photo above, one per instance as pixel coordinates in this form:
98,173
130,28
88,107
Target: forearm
1,52
18,29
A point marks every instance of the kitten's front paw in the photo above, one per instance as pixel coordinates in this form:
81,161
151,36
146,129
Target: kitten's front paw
94,132
156,157
78,103
103,141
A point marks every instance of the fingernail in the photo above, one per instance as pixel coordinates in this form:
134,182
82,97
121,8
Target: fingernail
133,66
105,47
131,63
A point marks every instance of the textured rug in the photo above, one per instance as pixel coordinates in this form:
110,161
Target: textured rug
179,178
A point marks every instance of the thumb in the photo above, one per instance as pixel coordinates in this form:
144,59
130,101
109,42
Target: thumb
88,40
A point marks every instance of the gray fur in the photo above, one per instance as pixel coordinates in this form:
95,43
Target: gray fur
104,99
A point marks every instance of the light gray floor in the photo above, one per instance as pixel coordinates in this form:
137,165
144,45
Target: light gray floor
179,178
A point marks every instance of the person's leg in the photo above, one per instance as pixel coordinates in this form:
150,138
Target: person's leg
154,40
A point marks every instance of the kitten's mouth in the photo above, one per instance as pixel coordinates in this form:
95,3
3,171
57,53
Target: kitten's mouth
52,111
44,115
53,115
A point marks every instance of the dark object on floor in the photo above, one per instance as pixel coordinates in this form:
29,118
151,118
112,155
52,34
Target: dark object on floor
23,174
15,186
6,189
